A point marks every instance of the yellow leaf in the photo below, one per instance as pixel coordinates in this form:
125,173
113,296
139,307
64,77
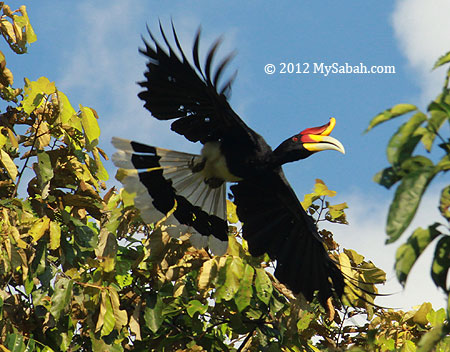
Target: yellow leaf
135,328
179,288
45,86
308,199
39,228
207,273
321,189
4,349
17,30
43,134
127,197
3,138
231,212
16,235
35,92
12,138
8,28
66,111
102,174
30,34
346,266
421,315
120,315
55,235
9,165
90,124
101,316
337,210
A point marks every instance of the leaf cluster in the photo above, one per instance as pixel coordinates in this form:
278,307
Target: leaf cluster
414,170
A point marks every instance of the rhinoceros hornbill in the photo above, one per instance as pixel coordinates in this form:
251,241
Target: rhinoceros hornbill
190,190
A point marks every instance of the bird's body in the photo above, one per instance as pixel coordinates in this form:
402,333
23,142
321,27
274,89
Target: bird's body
190,190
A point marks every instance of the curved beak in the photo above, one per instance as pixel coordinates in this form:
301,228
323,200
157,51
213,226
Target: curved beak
317,138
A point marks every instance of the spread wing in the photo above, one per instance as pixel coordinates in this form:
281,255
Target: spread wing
173,89
274,222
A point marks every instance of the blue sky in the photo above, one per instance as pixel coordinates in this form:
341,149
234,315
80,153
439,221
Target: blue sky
89,48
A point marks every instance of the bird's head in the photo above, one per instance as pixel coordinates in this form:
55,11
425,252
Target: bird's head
308,142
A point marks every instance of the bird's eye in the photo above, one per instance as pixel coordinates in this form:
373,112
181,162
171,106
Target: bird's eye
295,139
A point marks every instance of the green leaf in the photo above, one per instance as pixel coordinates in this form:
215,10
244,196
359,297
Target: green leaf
436,318
441,263
387,177
61,297
408,253
195,306
408,346
389,114
406,201
15,343
403,142
304,321
444,163
45,167
444,203
420,317
416,163
432,338
371,275
434,124
442,60
106,317
440,104
263,285
354,256
90,124
234,270
153,313
244,294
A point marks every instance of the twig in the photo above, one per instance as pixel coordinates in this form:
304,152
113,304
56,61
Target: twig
339,334
247,338
32,147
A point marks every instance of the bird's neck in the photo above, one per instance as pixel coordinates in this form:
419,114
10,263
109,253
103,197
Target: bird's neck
280,157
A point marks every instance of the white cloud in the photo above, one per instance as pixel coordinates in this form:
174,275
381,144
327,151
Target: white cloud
365,234
422,29
103,66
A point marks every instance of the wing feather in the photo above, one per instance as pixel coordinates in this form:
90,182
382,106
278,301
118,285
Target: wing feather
173,89
275,223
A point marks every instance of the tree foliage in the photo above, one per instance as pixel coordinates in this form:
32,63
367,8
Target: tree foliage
414,170
80,271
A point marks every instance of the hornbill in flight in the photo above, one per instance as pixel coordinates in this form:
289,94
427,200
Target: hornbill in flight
189,190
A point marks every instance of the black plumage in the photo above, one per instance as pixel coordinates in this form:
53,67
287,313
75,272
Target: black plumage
274,221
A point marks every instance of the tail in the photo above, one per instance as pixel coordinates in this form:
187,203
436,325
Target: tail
168,184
